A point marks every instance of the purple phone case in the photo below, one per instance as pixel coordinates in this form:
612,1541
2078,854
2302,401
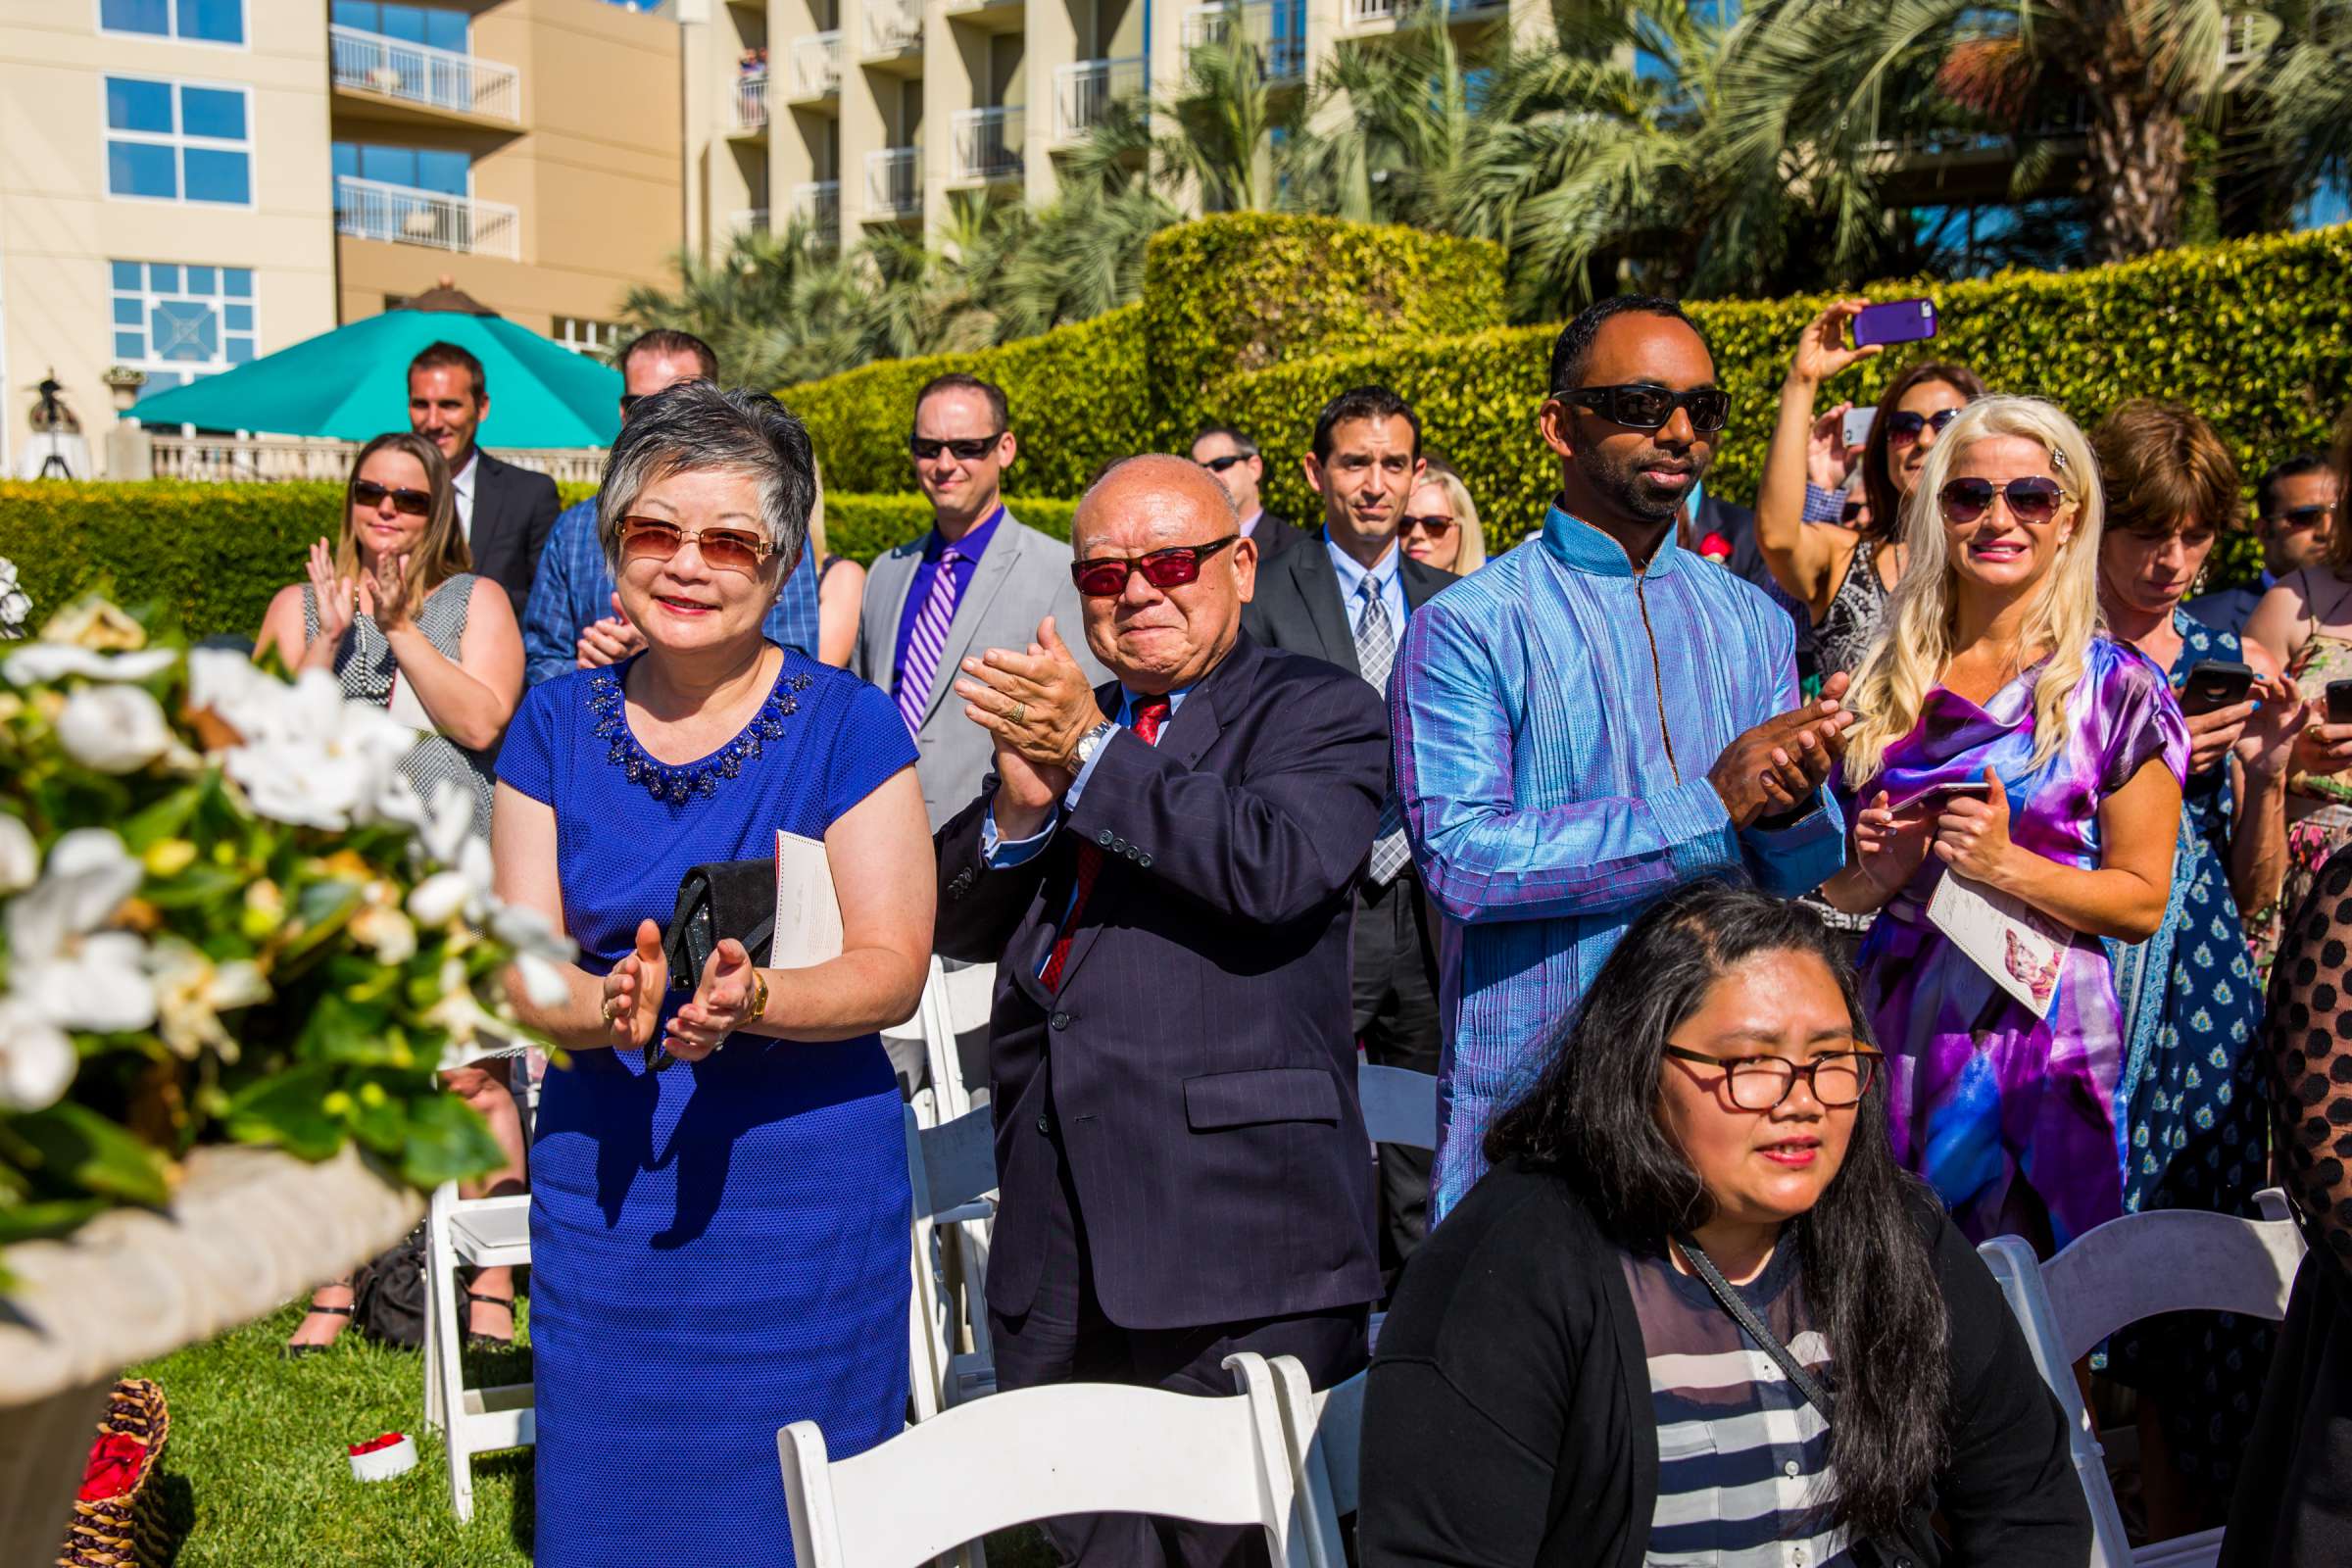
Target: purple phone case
1897,321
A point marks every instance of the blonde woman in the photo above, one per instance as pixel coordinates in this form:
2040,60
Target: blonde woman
2003,740
1440,528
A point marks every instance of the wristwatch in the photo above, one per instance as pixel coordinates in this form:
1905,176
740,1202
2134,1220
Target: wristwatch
1092,740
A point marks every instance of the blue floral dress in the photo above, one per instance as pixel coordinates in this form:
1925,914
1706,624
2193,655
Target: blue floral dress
2191,1109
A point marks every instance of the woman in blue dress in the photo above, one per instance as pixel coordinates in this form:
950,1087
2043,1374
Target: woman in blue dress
720,1247
2189,1103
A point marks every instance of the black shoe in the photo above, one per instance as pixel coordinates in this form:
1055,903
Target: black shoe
295,1352
478,1342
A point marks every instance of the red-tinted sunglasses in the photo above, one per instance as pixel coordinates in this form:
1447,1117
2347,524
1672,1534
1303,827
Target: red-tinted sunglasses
1106,576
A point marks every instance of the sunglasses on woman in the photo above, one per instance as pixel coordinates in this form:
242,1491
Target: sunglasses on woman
1105,577
1648,408
1838,1078
2030,501
971,451
1434,526
368,493
723,549
1903,425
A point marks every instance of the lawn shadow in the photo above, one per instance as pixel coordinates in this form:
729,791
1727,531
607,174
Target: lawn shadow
176,1512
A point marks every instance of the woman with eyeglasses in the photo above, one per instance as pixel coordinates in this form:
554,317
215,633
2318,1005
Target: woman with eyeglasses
2019,774
2306,624
1439,526
395,612
1840,563
718,1195
1565,1374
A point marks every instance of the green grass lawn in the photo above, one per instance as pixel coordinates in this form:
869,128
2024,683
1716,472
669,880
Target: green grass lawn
256,1474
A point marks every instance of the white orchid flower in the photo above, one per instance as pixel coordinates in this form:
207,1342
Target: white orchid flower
36,1059
19,854
315,759
191,991
114,729
96,625
38,663
386,932
63,964
538,949
461,889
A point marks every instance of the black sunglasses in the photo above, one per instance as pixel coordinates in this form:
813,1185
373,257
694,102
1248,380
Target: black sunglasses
1903,425
2307,516
1851,511
1220,465
1648,408
1106,576
368,493
971,451
2034,501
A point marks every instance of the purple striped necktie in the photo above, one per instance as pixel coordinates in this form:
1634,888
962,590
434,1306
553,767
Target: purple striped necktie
928,641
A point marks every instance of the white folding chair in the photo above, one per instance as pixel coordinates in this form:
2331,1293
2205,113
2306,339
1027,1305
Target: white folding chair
1322,1438
1401,1105
2138,1266
952,1170
470,1233
1035,1454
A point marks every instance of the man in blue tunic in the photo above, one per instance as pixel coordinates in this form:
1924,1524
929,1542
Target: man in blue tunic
1595,717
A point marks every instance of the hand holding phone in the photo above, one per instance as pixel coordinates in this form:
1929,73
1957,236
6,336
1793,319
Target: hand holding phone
2213,684
1857,426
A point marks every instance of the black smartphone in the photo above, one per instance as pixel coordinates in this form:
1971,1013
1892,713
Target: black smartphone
2339,701
2216,683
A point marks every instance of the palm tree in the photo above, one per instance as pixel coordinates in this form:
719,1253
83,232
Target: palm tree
2306,88
1389,125
1220,136
776,308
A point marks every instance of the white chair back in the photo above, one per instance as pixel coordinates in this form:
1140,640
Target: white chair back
1035,1454
1401,1105
952,1170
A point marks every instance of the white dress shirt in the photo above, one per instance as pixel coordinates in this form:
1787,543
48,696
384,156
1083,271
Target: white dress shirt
462,482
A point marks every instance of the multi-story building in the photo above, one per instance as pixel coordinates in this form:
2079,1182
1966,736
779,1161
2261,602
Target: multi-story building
188,184
865,113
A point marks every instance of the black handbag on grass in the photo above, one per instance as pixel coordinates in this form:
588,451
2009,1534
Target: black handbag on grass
715,901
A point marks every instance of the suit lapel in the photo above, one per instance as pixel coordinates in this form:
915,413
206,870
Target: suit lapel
1319,588
995,565
896,573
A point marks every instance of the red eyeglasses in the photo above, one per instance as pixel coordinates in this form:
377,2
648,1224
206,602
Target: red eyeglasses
1106,576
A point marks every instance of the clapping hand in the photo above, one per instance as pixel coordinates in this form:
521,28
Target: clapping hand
607,641
384,594
721,1004
1779,763
337,598
633,991
1037,704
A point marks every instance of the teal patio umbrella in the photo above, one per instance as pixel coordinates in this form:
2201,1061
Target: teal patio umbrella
352,383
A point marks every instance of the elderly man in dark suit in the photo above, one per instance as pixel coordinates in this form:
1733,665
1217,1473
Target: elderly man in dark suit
1163,868
506,513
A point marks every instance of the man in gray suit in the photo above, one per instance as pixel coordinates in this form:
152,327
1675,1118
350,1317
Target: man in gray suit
978,580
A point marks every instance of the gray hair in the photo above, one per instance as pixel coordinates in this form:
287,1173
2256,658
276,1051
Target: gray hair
693,426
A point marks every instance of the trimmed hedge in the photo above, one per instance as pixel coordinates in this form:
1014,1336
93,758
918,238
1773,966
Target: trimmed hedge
2254,334
1076,395
213,554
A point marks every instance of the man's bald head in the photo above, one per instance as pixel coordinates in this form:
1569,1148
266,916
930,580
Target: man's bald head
1161,639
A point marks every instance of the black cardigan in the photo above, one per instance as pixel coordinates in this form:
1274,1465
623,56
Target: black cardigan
1507,1414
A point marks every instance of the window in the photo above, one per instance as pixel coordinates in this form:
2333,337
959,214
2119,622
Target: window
197,21
171,141
429,26
410,167
179,323
596,339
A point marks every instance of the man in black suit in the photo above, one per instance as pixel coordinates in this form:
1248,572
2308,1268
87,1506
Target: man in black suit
506,511
1239,467
1344,598
1164,871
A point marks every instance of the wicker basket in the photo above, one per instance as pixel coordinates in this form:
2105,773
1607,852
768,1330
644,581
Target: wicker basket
126,1531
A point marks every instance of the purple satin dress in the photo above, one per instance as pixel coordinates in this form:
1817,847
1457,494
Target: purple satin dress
2003,1113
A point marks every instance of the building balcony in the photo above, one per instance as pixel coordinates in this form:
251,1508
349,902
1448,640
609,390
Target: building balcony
1371,15
988,143
425,83
894,183
816,67
1275,29
894,31
816,203
397,214
991,15
748,221
1084,92
750,116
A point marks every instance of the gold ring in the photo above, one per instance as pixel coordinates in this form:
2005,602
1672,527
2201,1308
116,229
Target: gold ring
612,1013
1020,713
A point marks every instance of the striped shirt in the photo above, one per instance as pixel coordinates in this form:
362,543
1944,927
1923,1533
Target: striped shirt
1745,1479
1555,715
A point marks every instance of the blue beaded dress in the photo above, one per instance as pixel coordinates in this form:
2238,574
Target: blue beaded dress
719,1249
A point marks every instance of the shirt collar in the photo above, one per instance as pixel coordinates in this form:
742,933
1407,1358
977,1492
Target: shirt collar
1352,574
1250,522
1128,700
1584,548
462,478
973,545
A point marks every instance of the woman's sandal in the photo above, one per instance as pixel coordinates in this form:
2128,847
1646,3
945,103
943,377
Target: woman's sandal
476,1342
295,1352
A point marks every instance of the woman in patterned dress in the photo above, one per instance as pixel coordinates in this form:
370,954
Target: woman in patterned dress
2191,1101
394,611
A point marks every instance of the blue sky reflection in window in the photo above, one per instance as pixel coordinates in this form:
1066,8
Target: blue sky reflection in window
178,322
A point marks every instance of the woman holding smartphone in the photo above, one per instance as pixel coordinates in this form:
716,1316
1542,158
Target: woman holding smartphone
1844,571
2306,624
2003,740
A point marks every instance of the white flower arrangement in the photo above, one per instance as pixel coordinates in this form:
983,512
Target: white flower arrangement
16,606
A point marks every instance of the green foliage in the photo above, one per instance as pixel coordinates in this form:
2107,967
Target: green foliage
1077,396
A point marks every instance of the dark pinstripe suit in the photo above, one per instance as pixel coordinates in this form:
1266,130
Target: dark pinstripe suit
1178,1139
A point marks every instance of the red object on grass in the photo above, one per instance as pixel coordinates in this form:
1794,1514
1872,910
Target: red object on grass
1715,547
113,1468
374,1444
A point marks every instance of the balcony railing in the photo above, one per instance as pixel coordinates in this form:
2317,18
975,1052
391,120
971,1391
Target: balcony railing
269,459
418,74
1371,12
893,26
988,142
369,209
748,221
751,100
818,203
817,65
1275,29
894,183
1084,92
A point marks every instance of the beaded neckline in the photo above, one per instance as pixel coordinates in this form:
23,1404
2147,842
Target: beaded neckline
693,780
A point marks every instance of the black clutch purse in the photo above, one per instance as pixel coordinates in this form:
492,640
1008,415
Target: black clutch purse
721,900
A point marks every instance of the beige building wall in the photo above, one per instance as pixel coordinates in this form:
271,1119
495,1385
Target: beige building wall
61,232
585,149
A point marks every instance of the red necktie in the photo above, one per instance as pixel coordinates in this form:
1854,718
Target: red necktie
1150,714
